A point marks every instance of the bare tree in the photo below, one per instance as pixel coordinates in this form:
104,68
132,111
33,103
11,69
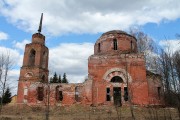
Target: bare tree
170,71
5,65
176,62
146,45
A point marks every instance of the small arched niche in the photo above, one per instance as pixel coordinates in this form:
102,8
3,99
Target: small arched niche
32,54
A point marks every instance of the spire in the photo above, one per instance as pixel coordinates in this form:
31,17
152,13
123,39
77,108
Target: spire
40,24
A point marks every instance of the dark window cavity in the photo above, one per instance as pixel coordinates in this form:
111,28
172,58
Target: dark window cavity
32,57
43,78
60,95
40,92
108,96
159,92
115,44
99,47
125,93
117,96
117,79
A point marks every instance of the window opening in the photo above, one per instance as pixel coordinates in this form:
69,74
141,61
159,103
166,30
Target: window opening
159,92
108,96
117,79
43,78
99,47
125,93
115,44
40,93
32,57
77,94
60,95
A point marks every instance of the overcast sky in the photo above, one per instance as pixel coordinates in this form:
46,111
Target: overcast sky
72,27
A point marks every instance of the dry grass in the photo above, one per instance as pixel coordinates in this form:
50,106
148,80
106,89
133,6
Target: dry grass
78,112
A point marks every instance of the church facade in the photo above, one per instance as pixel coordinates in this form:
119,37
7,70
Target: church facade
116,76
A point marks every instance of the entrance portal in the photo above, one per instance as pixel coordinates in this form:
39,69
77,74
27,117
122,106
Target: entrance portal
117,96
117,91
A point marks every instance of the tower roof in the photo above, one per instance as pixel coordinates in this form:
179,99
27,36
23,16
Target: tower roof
114,32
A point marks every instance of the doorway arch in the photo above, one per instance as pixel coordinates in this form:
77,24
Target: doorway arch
117,72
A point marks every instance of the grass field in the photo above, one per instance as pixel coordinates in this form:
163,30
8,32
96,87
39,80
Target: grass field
78,112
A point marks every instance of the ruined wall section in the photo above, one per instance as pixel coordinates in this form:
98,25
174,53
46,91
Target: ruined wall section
68,93
155,86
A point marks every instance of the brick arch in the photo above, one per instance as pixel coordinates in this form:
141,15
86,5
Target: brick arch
117,72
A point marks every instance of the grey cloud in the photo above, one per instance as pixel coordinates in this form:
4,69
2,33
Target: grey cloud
172,45
72,59
88,16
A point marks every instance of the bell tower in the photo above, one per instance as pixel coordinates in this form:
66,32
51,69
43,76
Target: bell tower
35,64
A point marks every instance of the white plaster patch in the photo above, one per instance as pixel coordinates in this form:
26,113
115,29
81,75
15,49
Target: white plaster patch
25,91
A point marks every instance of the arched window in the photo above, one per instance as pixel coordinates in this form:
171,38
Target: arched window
32,57
115,44
99,47
59,95
43,78
40,92
77,94
132,46
117,79
159,92
44,60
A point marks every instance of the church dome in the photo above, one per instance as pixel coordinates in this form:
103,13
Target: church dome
115,41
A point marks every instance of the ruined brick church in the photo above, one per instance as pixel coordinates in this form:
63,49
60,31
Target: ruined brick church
116,76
